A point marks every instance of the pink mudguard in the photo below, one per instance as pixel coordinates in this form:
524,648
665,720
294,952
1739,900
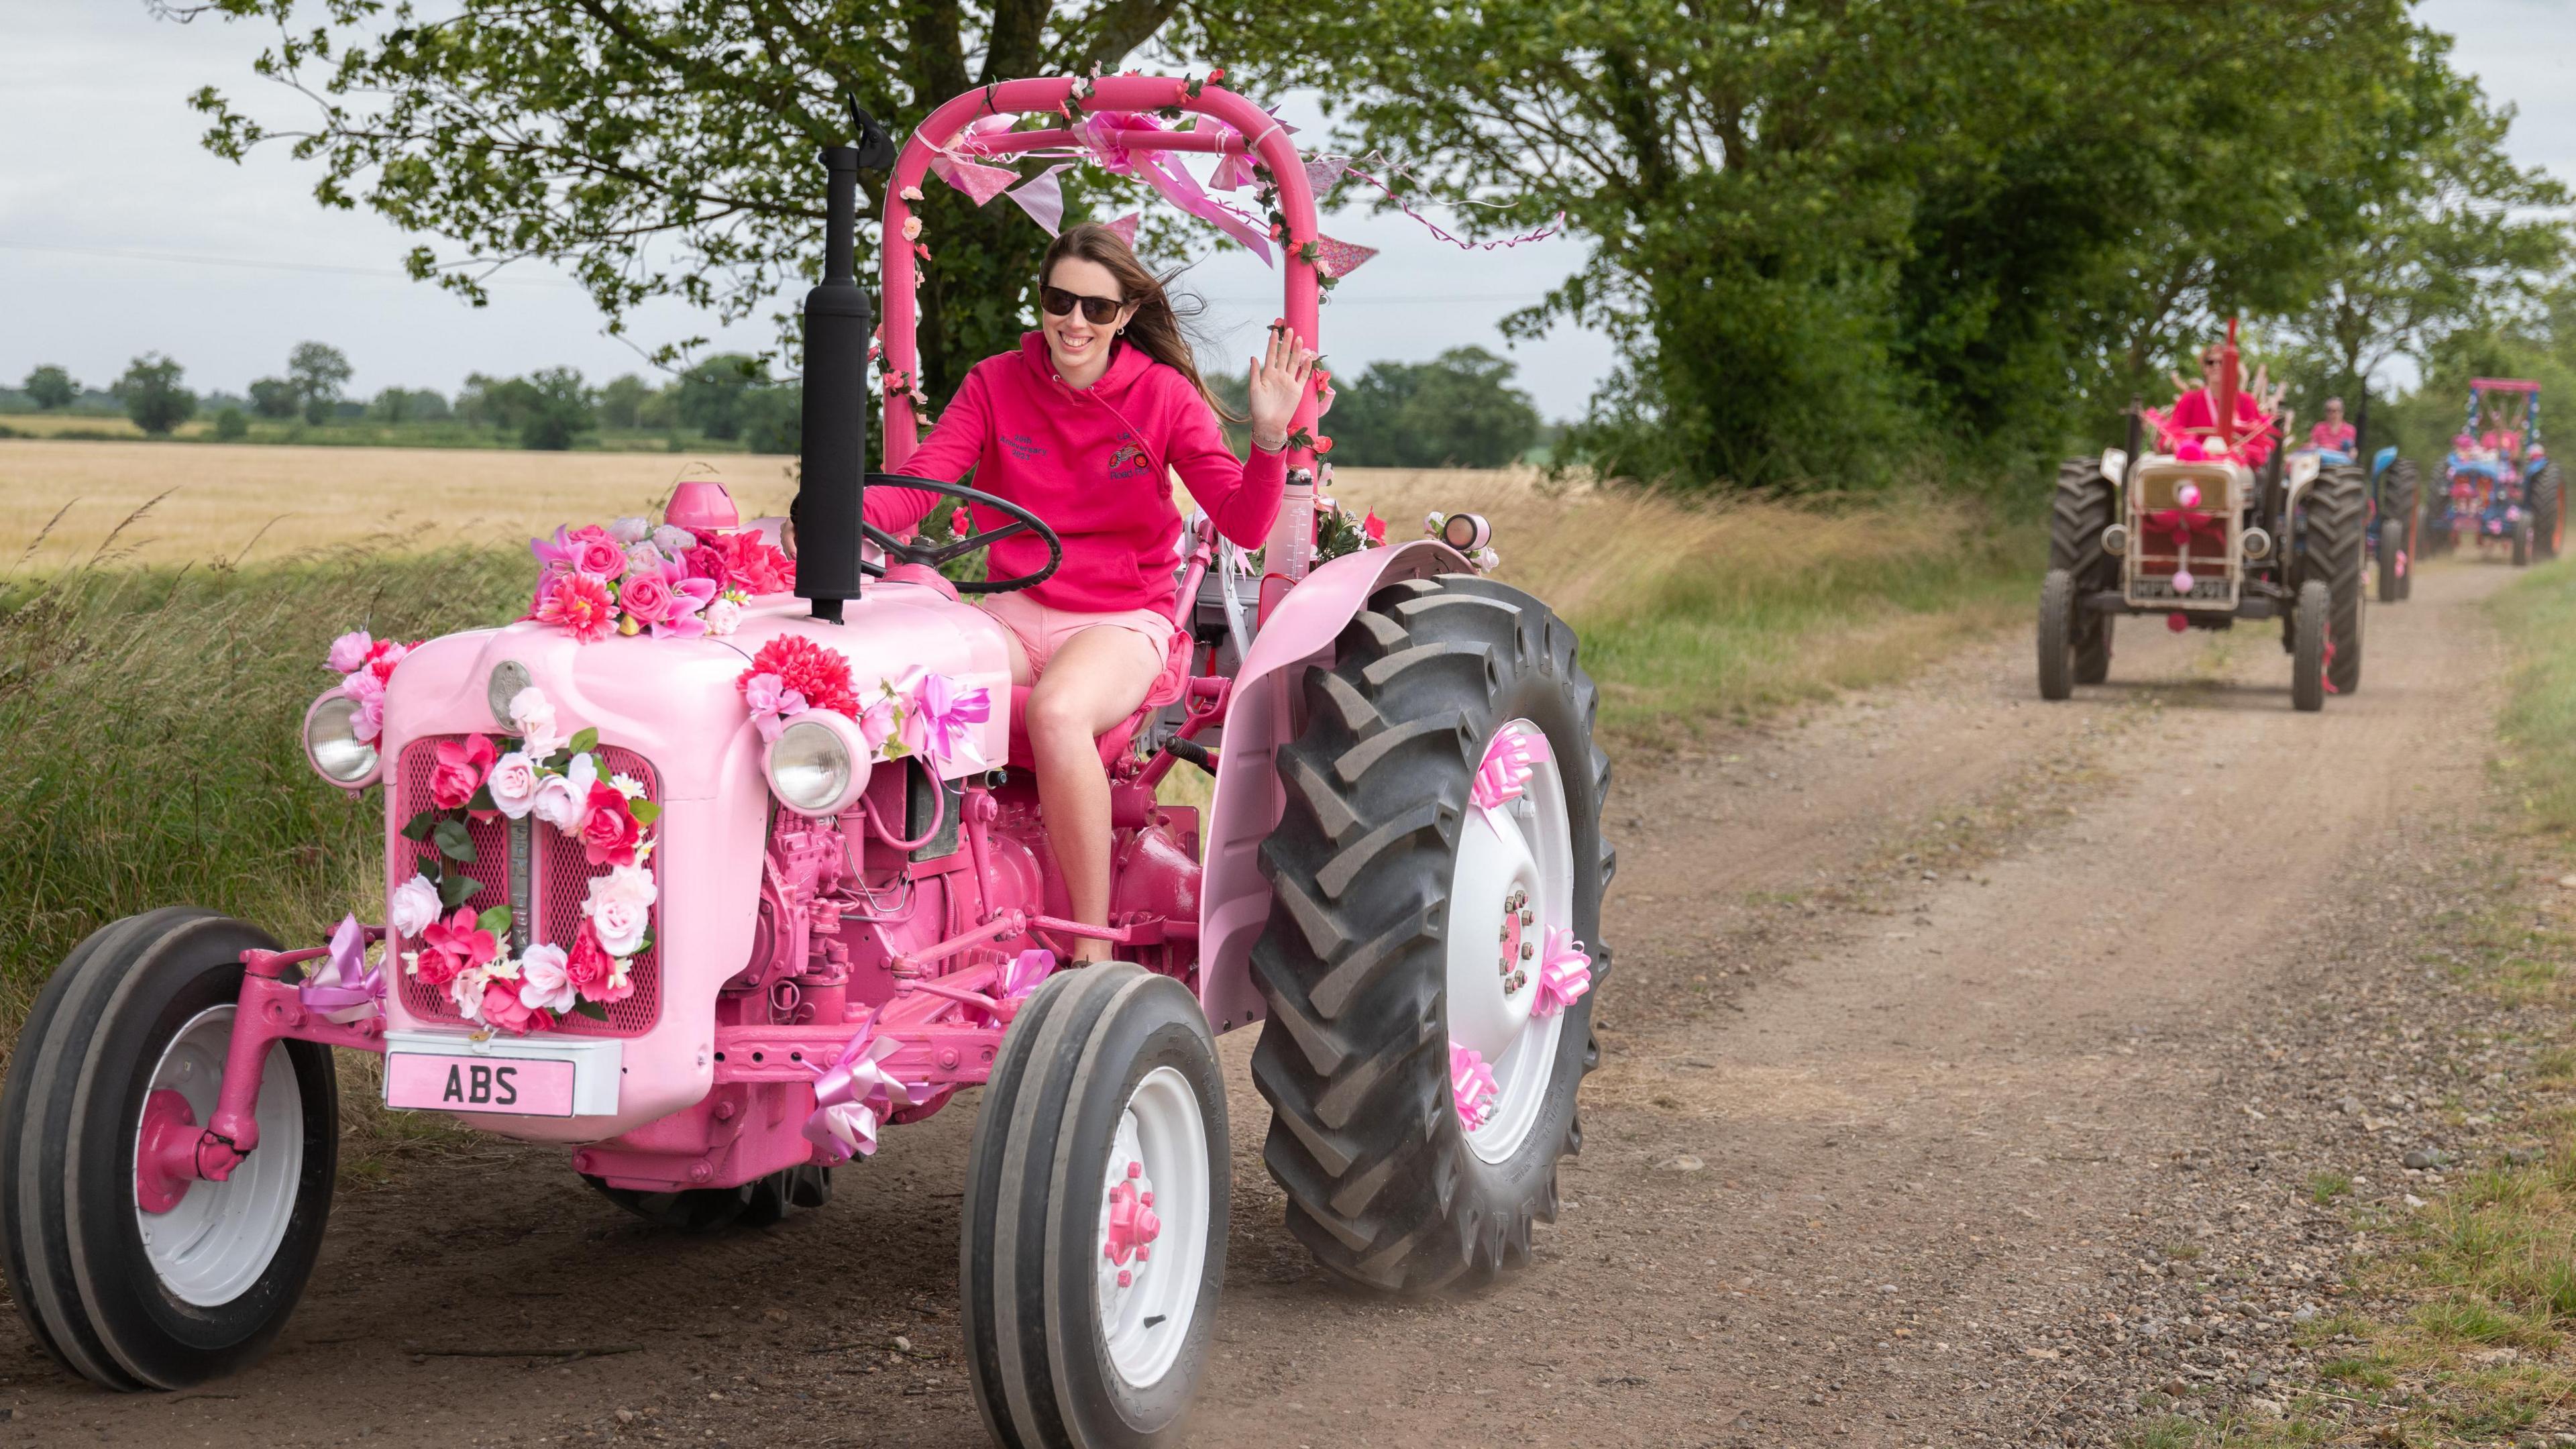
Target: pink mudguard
1234,899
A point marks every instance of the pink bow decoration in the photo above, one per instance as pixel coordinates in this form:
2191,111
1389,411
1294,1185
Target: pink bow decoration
1471,1085
772,704
854,1097
344,988
1340,258
1505,771
1564,972
1025,973
1042,197
941,715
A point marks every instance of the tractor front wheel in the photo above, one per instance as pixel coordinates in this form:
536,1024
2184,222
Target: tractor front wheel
2056,635
2549,512
2308,646
2338,518
1097,1194
2399,526
128,1276
1436,876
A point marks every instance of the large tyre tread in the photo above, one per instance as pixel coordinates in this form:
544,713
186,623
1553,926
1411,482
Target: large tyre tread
1377,794
2338,516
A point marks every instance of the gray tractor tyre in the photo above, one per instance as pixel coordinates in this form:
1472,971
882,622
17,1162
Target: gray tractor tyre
2400,524
1365,1139
2056,635
2548,505
2308,649
2084,506
2338,514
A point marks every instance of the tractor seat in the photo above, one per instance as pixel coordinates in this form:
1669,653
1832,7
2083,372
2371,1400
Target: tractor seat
1166,688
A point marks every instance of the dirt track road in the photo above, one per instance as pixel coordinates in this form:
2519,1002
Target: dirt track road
1915,1000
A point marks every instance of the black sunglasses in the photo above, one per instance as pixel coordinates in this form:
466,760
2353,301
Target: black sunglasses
1099,311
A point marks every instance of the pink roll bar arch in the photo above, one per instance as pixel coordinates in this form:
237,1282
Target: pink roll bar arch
1269,142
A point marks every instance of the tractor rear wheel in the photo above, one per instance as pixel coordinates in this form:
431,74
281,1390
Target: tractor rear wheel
2308,646
2084,507
131,1277
2522,540
2400,523
1422,1072
2549,512
2338,509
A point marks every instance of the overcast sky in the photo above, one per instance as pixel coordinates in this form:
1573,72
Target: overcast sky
120,235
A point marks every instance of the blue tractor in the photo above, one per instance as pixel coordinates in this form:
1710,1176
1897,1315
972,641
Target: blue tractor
2499,485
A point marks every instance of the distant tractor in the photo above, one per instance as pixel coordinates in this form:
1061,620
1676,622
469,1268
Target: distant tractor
2499,485
2193,529
2396,505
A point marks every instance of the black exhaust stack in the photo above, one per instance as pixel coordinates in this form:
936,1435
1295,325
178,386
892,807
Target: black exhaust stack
833,441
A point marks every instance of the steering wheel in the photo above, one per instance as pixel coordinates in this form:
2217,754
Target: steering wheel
933,555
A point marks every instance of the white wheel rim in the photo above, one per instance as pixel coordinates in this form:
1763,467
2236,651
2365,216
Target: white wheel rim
214,1245
1161,1151
1526,845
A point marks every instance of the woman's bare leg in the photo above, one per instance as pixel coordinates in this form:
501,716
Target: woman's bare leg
1095,680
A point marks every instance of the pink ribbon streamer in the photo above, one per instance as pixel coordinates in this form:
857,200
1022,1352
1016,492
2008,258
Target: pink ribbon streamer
345,987
1351,168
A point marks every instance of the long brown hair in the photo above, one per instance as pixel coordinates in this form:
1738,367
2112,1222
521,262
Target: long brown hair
1155,330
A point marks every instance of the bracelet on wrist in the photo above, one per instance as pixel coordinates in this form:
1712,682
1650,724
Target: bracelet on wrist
1278,444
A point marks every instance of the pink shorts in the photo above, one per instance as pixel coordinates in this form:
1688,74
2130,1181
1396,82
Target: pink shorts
1042,631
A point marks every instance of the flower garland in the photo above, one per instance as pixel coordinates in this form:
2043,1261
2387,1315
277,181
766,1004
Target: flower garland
1338,533
536,773
365,666
630,577
925,713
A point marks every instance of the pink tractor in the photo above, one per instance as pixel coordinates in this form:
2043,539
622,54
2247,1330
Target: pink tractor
720,863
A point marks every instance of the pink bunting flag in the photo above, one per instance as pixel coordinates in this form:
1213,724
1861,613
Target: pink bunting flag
1125,226
1042,197
1340,258
977,180
1321,173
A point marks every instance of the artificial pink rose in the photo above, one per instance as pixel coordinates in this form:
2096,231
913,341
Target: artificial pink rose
647,597
544,982
459,772
581,605
600,558
453,946
513,783
503,1008
349,651
384,656
593,972
619,909
412,906
561,798
608,832
630,531
879,723
723,616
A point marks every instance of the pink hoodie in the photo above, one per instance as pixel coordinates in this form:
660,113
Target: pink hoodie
1091,463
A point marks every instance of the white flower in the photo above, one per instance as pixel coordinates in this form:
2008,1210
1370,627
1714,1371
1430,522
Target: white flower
533,716
513,782
466,990
722,617
674,540
627,785
630,530
412,906
544,984
561,798
644,558
620,908
411,963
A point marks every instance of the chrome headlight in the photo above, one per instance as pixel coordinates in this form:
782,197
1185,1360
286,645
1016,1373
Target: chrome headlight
818,765
332,745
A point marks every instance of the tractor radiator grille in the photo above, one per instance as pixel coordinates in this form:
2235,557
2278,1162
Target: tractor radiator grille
559,880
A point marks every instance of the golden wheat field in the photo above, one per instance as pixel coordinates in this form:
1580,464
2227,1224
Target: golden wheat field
260,504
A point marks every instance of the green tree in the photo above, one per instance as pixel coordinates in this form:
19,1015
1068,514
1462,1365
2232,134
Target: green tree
713,395
231,425
152,395
773,418
621,401
558,409
668,150
50,387
1458,410
274,397
499,403
317,371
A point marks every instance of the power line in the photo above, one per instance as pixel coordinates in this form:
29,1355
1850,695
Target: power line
197,259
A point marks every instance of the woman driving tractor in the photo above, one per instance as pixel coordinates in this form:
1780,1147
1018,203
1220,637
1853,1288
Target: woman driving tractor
2194,414
1084,426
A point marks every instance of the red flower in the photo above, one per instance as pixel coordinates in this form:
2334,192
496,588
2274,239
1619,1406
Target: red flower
593,970
460,770
821,675
1216,75
580,604
453,945
754,565
608,830
1323,446
502,1008
1374,527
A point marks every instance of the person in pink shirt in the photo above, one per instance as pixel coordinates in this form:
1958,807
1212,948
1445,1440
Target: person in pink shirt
2334,432
2195,416
1084,426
